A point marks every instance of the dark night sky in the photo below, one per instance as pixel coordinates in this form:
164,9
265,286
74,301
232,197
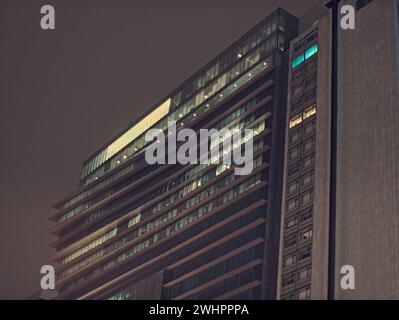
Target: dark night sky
64,93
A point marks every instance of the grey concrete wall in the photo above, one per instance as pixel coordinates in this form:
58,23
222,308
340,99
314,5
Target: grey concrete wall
368,154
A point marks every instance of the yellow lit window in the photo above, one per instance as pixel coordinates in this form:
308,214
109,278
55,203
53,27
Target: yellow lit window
295,121
309,112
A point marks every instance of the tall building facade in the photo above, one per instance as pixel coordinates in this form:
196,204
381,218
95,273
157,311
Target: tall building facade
367,174
139,231
323,104
340,198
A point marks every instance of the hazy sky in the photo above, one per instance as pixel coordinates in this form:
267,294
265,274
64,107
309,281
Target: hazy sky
64,93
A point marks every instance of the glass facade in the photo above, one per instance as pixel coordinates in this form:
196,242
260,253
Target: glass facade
256,45
225,123
188,232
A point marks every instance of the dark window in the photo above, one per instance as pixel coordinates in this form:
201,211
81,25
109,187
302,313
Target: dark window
290,223
304,293
296,107
295,136
298,47
292,204
304,273
305,253
307,180
293,187
306,197
309,145
288,280
294,153
306,215
309,128
308,162
297,89
293,170
290,296
312,37
290,241
289,260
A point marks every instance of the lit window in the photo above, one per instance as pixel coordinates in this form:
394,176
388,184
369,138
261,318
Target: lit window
295,121
298,61
309,112
311,51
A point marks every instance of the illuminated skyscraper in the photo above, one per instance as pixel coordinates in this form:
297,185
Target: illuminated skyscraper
135,231
324,106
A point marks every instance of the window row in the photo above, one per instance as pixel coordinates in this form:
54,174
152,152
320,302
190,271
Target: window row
214,244
294,153
293,277
304,165
292,240
306,41
300,294
307,113
210,255
259,128
129,148
228,285
298,60
203,195
214,271
296,136
85,245
303,200
171,229
302,218
301,256
303,182
223,123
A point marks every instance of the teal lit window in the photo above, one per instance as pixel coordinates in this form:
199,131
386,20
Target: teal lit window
297,61
311,51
